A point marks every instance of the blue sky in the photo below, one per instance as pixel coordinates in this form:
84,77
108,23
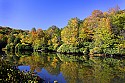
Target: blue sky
26,14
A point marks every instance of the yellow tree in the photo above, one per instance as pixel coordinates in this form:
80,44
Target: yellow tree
54,34
70,33
103,36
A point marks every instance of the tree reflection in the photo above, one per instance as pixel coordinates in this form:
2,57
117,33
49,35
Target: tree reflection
41,60
53,65
107,69
70,71
75,69
94,70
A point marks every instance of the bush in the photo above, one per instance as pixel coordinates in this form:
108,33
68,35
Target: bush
11,74
10,47
96,50
50,48
86,45
113,51
20,47
68,48
84,50
110,51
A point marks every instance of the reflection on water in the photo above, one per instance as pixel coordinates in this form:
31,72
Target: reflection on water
44,74
71,69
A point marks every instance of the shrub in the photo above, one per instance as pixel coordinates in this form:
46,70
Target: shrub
68,48
11,74
10,47
96,50
20,47
50,48
110,51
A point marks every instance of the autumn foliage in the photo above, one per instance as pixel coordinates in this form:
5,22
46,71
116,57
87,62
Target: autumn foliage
101,32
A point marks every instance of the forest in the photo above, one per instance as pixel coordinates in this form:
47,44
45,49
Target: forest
99,33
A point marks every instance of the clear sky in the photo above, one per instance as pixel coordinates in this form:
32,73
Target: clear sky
26,14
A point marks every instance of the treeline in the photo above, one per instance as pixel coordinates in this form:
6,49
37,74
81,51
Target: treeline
101,32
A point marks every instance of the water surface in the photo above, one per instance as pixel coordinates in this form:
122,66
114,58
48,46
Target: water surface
71,68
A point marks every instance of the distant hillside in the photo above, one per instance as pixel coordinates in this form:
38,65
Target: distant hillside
7,35
8,30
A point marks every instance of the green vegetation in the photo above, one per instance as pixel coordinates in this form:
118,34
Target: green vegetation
11,74
101,33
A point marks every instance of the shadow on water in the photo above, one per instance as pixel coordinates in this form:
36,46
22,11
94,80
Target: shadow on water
66,68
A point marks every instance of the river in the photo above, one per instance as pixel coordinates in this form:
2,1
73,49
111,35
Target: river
66,68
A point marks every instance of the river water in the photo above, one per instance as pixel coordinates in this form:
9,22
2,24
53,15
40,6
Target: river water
66,68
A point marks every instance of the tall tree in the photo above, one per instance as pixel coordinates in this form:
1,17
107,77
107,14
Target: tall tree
70,33
103,37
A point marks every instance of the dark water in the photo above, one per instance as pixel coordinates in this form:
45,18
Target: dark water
70,68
